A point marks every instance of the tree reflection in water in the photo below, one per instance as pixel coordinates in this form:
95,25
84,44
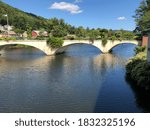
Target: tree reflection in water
142,96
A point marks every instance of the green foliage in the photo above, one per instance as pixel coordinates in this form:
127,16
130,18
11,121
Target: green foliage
113,38
59,31
80,32
142,16
93,35
8,39
23,21
139,49
40,38
139,70
54,42
104,41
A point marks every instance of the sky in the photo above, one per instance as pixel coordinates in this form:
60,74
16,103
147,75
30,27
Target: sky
110,14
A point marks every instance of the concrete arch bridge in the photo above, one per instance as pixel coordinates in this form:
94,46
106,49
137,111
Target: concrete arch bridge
42,45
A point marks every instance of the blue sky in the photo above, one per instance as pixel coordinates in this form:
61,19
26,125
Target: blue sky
110,14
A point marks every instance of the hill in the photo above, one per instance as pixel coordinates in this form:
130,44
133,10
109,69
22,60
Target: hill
20,19
23,21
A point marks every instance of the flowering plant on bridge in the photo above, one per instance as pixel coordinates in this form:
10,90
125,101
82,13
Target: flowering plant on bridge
54,42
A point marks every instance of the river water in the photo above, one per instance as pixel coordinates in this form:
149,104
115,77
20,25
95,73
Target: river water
81,80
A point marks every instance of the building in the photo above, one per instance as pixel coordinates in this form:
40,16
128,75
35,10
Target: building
8,27
145,40
25,35
3,35
1,28
45,34
12,34
6,30
36,33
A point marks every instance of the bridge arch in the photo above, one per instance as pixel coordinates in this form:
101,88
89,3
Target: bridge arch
40,45
121,43
24,45
65,47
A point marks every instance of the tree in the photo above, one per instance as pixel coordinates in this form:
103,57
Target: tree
18,31
142,16
119,35
29,31
59,31
128,36
93,35
41,33
113,38
104,41
80,32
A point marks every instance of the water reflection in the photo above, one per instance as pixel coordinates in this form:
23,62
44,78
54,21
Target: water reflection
142,96
73,82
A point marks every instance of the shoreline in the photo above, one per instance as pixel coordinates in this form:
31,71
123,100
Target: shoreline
138,71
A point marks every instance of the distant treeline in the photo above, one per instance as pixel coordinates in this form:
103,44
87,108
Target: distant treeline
23,21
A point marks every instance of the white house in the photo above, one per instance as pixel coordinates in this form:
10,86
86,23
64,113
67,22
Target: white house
1,28
8,27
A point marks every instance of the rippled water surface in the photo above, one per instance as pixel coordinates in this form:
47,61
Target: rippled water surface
81,80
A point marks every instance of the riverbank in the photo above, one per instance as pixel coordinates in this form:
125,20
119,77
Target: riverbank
138,70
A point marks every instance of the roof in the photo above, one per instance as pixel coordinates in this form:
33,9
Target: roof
12,33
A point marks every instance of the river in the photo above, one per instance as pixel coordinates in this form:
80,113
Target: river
81,80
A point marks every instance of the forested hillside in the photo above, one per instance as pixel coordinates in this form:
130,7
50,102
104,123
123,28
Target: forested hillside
23,21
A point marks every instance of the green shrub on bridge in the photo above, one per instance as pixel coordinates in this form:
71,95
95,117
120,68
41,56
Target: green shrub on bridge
104,41
54,42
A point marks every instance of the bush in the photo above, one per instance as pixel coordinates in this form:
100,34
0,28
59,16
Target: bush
54,42
138,70
139,49
40,38
104,41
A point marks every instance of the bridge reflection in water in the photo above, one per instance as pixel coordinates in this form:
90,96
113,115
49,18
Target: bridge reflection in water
64,83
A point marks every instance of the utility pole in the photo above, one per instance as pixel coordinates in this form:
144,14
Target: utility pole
6,15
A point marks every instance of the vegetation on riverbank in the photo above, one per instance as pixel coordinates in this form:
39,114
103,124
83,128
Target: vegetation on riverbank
138,70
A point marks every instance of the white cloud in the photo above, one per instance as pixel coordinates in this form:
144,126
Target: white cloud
77,1
72,8
121,18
